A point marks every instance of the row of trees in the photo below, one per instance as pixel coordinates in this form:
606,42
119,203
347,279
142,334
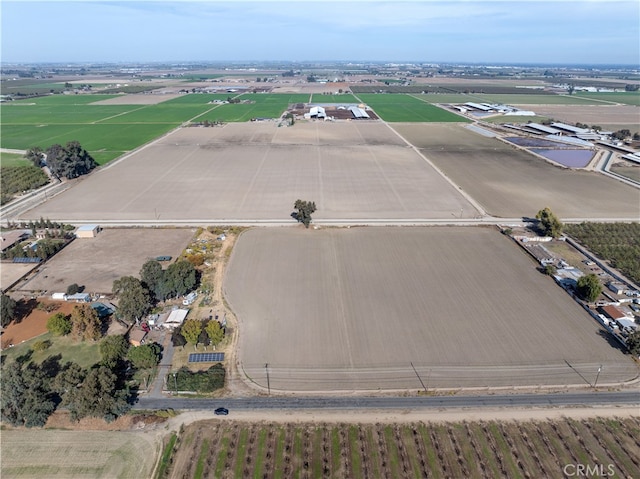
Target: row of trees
31,392
194,331
8,310
69,161
618,243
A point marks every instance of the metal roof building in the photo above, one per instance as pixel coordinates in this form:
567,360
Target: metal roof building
543,128
358,112
571,128
569,140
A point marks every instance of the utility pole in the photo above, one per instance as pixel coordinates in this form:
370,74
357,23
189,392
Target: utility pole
419,378
597,376
266,368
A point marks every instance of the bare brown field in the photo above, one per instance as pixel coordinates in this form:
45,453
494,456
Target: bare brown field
509,182
50,454
407,308
256,171
477,449
96,262
590,114
12,272
33,321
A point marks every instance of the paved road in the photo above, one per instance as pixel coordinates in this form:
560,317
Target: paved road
592,398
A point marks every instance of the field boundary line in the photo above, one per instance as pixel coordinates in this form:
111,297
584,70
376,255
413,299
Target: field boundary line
466,196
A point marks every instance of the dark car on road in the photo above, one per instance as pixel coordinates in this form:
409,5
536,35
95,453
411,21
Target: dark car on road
221,411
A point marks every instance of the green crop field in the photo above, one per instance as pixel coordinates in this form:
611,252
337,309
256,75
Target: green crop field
84,353
108,131
627,98
406,108
13,159
260,106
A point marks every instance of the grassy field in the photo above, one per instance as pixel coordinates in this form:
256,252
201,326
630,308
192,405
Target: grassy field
108,131
370,302
627,98
53,454
86,354
261,106
407,108
486,449
13,159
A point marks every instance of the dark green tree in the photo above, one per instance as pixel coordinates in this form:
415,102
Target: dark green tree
35,155
69,377
304,210
70,161
633,342
99,395
152,276
59,324
73,288
180,277
550,225
133,298
550,270
113,350
26,398
145,356
7,310
589,287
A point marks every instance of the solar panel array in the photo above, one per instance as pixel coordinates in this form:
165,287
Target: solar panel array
206,357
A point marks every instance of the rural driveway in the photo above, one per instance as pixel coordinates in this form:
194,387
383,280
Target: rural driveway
156,389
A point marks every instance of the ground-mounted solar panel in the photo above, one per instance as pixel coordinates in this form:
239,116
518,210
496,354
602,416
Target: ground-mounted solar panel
206,357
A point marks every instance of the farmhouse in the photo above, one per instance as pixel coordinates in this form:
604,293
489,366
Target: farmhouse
613,312
616,288
136,337
87,231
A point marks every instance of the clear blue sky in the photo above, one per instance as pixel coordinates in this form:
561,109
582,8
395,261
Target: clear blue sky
505,31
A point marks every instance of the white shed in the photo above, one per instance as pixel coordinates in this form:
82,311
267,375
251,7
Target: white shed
87,231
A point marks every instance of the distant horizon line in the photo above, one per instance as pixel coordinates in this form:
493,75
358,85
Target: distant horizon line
338,62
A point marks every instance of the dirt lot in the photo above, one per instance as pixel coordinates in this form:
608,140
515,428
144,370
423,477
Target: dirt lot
96,262
257,170
509,182
360,308
12,272
33,321
590,114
